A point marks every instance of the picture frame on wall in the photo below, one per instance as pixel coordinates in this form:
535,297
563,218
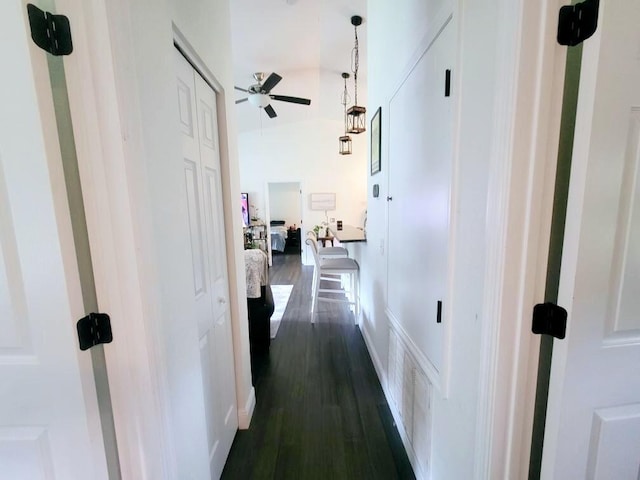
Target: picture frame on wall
376,142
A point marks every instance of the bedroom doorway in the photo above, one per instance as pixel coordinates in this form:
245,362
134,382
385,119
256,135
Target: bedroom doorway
284,218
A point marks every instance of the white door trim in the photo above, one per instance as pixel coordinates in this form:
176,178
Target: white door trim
234,240
522,178
134,360
107,143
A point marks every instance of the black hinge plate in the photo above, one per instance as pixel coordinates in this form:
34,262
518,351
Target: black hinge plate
577,22
93,330
549,319
50,32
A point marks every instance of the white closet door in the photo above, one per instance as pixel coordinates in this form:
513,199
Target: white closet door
201,160
218,339
49,424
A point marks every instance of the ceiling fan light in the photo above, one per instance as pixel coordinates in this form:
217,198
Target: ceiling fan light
259,100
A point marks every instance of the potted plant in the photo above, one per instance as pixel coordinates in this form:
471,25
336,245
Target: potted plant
320,230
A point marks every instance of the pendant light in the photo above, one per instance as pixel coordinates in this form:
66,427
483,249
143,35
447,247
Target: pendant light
345,140
356,115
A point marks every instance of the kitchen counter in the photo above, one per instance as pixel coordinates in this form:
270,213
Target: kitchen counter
348,234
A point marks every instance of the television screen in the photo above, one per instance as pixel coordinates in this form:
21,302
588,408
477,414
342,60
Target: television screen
245,209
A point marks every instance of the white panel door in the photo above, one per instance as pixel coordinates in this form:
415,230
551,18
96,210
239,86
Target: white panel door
198,124
420,152
593,420
49,425
221,383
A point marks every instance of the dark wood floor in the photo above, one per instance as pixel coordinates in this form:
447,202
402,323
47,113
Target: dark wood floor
320,413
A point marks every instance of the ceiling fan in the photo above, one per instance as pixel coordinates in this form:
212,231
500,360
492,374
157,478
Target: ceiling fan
259,95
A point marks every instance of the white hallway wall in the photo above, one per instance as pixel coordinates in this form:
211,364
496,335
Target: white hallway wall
306,152
145,79
395,33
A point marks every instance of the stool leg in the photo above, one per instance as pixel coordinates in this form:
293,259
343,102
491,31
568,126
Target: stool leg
314,299
356,293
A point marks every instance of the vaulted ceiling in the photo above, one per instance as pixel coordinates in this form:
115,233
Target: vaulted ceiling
308,43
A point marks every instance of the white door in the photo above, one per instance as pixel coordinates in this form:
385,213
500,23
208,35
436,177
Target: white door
199,129
420,133
49,424
593,418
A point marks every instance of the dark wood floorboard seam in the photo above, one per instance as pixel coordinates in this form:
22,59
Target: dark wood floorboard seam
320,410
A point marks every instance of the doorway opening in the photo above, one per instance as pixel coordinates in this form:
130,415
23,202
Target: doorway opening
284,218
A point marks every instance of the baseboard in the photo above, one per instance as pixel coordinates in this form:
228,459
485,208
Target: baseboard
245,414
377,364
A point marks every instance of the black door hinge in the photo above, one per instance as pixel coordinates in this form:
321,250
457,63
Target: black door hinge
50,32
93,330
549,319
577,22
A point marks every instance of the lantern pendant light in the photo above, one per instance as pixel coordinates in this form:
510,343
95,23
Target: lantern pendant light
356,115
345,140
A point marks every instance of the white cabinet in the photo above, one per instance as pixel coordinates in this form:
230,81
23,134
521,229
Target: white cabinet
420,175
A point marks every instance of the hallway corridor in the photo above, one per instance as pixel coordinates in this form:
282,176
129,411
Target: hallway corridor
320,413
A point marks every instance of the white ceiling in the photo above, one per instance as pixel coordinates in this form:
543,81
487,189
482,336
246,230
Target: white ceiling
308,43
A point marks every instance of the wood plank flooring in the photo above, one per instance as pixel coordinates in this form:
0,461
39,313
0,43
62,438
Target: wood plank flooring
320,412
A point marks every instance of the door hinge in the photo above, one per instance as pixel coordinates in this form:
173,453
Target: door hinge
577,22
50,32
549,319
93,330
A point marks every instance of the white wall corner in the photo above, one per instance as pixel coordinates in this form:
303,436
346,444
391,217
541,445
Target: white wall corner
246,413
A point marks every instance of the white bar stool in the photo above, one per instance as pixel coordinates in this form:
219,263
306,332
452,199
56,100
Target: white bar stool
343,267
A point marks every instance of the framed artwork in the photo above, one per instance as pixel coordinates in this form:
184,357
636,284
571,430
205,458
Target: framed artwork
322,201
376,141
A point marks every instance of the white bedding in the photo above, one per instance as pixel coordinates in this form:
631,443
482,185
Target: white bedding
278,238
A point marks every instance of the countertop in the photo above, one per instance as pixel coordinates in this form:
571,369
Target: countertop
348,234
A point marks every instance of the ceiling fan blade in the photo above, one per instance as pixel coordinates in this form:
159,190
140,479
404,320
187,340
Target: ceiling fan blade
271,81
241,89
241,100
270,111
284,98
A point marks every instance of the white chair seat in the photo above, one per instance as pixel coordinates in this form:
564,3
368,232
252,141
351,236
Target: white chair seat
338,264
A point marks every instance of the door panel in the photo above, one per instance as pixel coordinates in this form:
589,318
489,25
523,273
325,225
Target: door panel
195,228
203,189
594,391
420,142
220,341
623,320
49,425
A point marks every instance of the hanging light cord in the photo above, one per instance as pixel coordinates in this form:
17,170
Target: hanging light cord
355,64
345,101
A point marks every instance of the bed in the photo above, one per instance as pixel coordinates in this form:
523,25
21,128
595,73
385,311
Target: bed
278,235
